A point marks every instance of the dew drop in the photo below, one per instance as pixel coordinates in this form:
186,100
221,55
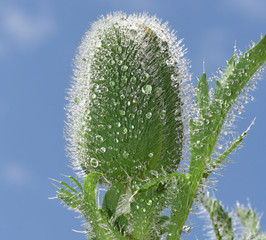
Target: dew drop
99,138
120,62
148,115
144,209
124,68
94,162
158,91
125,154
132,116
124,130
163,114
186,229
76,100
145,77
118,124
149,203
103,149
150,154
147,89
112,62
133,33
133,79
112,83
124,79
119,49
122,112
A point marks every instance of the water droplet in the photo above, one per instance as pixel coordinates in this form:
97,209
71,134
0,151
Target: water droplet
76,100
132,116
147,89
149,203
199,144
124,79
119,49
133,80
103,149
158,91
145,77
124,130
120,62
93,95
112,83
99,138
150,154
186,229
124,68
144,209
148,115
163,114
133,33
122,112
94,162
118,124
112,62
125,154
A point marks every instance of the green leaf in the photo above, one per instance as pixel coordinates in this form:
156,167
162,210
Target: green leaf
145,187
69,187
223,156
101,227
71,201
250,221
76,181
89,188
111,199
121,223
202,97
221,222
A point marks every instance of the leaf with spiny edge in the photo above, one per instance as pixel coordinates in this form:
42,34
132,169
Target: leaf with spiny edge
250,222
224,155
101,227
221,222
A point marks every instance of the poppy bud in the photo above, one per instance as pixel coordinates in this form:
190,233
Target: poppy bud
125,111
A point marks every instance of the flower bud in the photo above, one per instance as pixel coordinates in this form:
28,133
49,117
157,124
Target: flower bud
125,104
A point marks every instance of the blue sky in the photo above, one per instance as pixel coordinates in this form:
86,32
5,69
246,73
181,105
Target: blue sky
38,41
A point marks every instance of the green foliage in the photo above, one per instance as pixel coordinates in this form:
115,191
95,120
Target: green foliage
222,222
127,129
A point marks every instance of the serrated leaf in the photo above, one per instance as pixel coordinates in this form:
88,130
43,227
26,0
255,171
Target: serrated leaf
221,222
69,187
76,181
71,201
101,227
249,221
111,199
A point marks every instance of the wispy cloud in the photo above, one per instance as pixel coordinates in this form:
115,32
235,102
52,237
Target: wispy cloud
15,174
251,8
21,29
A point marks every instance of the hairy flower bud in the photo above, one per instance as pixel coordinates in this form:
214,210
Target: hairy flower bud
125,111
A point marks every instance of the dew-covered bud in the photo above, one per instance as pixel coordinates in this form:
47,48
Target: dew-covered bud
125,111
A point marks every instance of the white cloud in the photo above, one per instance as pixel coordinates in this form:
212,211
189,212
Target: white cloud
251,8
14,173
20,29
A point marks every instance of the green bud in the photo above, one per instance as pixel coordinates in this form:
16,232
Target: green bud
125,111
